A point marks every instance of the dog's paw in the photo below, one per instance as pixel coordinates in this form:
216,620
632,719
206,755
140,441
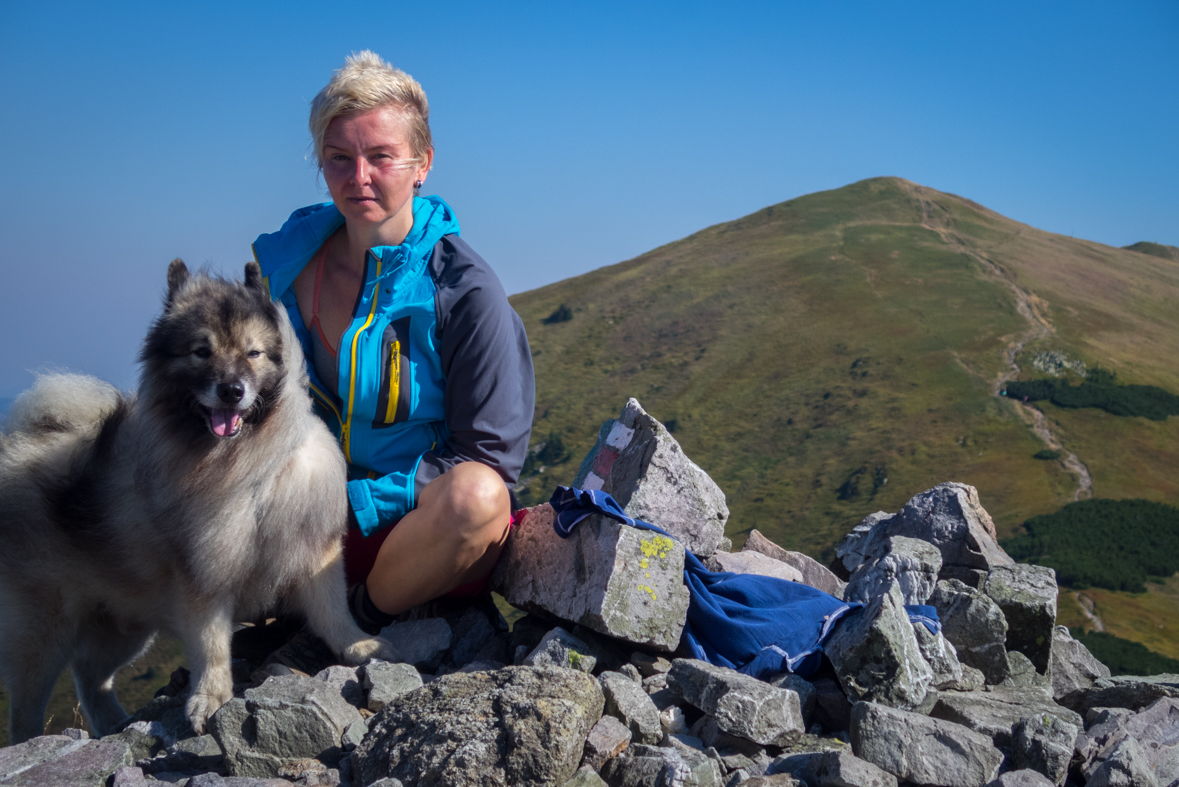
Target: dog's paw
375,648
201,706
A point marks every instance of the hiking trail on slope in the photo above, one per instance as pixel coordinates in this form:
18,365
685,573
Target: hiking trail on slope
1034,309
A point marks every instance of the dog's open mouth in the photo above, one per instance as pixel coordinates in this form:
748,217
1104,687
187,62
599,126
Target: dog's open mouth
224,422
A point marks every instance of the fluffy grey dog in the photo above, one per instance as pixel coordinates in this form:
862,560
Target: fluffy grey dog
203,500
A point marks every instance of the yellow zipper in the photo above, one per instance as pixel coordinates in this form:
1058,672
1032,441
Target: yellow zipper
346,425
394,381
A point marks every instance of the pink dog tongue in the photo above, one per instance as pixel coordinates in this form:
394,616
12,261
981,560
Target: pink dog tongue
224,422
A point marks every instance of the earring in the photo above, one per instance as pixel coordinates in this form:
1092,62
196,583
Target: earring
417,184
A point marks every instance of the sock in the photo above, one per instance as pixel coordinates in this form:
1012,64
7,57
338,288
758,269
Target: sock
370,619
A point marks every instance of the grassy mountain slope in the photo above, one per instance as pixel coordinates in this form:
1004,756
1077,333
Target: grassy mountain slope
1155,249
832,355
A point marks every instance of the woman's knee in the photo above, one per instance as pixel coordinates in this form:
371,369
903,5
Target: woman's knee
475,499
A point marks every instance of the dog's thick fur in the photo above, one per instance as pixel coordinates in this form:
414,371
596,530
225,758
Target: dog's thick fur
205,499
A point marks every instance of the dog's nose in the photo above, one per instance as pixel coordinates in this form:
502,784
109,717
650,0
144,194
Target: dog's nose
230,393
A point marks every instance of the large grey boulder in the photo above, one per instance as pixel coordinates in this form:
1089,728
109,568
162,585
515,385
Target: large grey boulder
1133,692
1073,666
638,463
752,563
1027,596
91,762
876,655
995,713
286,719
950,517
813,572
922,750
627,702
741,705
519,726
1043,743
652,766
975,626
1126,766
609,577
911,563
1155,729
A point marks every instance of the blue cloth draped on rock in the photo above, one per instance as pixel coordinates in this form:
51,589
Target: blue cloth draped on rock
755,624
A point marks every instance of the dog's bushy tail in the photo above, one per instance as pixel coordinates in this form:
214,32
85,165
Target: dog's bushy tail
62,403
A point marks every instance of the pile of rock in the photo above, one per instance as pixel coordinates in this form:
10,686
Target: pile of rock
586,689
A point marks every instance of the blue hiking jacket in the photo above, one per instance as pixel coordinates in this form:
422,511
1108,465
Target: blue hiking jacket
434,368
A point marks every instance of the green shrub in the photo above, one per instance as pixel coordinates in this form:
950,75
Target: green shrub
1124,657
1047,455
1112,544
1101,376
562,314
1099,390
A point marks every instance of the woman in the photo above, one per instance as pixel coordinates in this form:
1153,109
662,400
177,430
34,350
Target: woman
416,360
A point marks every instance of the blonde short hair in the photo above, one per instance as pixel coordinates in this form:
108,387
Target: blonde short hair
367,82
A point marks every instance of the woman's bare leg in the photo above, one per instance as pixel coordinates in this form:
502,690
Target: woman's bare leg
453,537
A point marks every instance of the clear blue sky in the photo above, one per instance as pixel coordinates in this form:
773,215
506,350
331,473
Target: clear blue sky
569,136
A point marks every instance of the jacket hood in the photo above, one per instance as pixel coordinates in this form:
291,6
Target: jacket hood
283,254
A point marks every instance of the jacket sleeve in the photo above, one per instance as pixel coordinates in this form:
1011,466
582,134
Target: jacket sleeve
490,388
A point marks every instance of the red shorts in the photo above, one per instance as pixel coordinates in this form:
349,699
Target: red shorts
360,555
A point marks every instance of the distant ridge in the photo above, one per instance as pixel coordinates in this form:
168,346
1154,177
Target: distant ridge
832,355
1155,250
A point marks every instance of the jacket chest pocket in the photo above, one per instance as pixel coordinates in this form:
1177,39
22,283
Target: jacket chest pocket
396,392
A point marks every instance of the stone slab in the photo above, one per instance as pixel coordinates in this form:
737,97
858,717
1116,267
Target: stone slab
609,577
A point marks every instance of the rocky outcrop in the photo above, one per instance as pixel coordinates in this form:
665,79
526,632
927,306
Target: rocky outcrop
516,726
609,577
596,697
742,706
287,719
911,563
1027,597
921,750
638,463
877,657
1073,666
975,625
950,517
996,712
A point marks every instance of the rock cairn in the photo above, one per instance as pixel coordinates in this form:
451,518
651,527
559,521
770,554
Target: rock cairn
587,690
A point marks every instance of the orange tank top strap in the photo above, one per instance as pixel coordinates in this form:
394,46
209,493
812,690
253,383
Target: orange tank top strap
319,258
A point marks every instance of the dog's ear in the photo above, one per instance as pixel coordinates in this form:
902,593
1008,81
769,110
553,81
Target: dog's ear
254,277
177,278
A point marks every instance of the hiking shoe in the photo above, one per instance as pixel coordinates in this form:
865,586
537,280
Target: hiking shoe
303,653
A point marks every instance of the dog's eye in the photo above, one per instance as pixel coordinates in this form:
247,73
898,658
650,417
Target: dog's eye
253,353
202,352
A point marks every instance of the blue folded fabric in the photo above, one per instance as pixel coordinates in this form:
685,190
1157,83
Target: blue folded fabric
755,624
